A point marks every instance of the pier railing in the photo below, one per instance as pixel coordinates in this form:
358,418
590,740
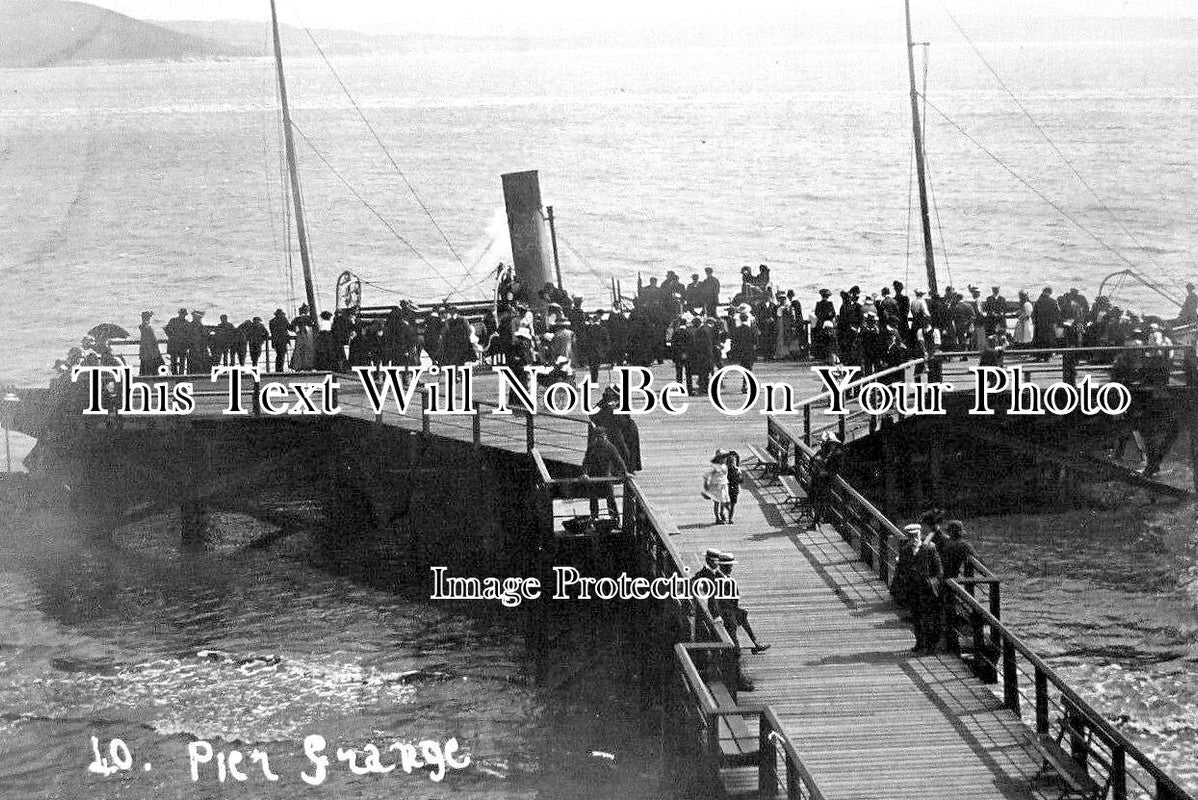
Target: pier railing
1063,724
1064,727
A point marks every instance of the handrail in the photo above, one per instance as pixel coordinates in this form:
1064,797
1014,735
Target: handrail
1166,786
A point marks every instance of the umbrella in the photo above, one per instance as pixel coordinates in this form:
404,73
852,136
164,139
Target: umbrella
106,331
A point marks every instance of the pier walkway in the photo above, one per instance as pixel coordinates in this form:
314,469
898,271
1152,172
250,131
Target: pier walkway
868,718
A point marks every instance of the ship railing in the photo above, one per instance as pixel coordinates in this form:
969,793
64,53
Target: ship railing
1163,364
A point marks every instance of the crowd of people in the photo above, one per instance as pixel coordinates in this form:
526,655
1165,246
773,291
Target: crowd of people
689,324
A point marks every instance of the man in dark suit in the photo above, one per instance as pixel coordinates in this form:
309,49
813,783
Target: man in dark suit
1046,316
177,339
700,355
280,338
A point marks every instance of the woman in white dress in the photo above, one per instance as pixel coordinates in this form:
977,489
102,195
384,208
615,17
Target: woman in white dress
1025,330
715,487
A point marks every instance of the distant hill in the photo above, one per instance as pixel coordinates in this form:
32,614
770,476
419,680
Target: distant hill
253,37
43,33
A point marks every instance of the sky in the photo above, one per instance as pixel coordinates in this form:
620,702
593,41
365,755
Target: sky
545,16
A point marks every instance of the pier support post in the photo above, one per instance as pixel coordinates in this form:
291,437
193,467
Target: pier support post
889,465
193,513
935,467
1191,416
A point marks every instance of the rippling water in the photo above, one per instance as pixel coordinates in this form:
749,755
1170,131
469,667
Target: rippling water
158,186
125,638
1111,600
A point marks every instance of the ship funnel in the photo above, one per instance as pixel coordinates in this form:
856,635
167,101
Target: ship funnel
526,225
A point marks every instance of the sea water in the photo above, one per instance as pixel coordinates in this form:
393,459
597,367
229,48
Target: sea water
157,186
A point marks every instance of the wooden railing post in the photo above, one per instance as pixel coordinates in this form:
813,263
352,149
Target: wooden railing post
767,778
1077,733
935,369
1118,773
1010,677
884,554
424,419
1042,723
807,424
530,431
477,428
256,401
629,510
1069,367
713,751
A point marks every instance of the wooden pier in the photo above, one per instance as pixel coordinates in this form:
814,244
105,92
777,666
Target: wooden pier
839,706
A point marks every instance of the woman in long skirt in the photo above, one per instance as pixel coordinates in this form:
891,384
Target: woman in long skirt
148,355
1024,329
304,353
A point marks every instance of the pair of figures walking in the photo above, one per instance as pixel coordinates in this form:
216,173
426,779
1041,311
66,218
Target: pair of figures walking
721,485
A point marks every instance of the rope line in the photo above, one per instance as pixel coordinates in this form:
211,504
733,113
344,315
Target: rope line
368,206
1072,219
910,201
1065,159
383,146
602,277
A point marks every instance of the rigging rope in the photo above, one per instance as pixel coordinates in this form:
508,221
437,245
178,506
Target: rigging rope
939,227
1028,184
602,278
381,145
1065,159
368,206
910,199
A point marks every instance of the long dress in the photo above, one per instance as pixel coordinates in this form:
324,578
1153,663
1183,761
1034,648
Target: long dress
1024,329
148,355
303,354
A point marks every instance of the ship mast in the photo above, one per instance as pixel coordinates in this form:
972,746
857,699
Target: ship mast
289,145
920,166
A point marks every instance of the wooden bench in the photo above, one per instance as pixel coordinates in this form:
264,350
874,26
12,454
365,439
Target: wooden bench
766,463
1077,780
796,498
738,743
